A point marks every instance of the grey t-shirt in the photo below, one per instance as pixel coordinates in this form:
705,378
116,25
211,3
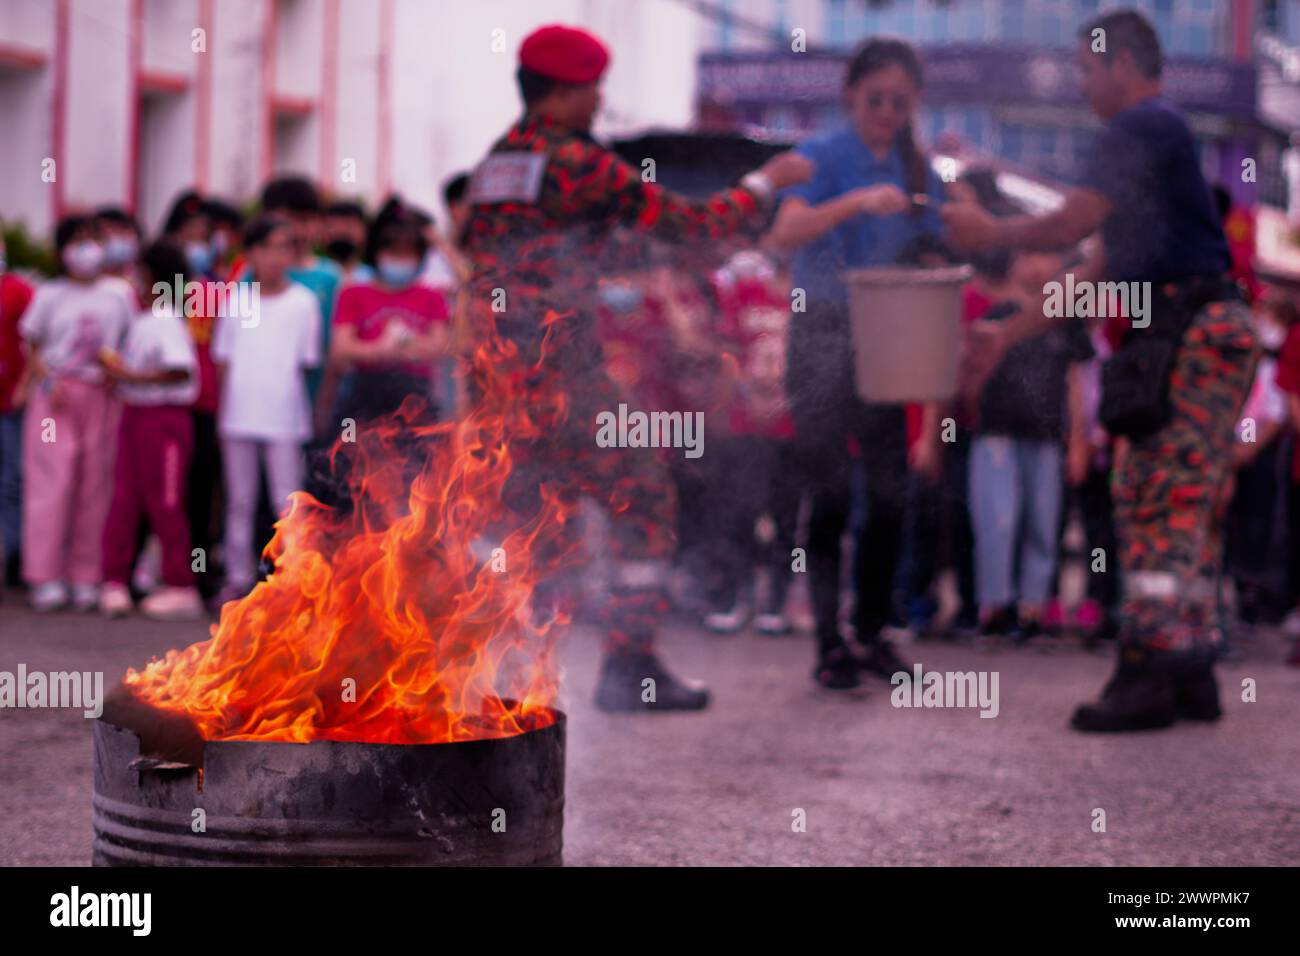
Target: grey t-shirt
69,322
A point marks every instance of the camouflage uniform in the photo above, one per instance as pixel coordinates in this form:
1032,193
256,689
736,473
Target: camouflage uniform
545,201
1167,486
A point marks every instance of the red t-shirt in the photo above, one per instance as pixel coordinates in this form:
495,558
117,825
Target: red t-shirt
201,327
638,351
15,294
370,309
755,321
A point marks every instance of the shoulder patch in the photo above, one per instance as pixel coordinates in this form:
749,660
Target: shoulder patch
507,177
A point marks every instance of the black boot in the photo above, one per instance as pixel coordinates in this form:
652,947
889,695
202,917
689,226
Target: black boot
882,660
622,685
837,668
1140,695
1196,692
14,572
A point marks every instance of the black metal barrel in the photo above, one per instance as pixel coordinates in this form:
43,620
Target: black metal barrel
496,802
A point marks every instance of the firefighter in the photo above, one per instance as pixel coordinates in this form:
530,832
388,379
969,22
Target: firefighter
543,204
1143,191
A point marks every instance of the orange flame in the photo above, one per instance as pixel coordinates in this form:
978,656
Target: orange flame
390,600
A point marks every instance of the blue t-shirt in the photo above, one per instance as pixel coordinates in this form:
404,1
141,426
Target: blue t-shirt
1164,224
844,163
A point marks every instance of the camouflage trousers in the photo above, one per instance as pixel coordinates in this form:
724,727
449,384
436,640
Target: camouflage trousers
1166,488
634,485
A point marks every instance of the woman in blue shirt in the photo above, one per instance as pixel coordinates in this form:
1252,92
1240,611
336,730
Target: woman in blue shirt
859,209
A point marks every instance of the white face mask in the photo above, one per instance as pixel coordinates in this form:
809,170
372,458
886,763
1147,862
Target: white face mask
83,259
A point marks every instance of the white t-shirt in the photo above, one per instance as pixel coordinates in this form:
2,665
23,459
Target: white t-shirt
159,343
69,322
264,396
437,272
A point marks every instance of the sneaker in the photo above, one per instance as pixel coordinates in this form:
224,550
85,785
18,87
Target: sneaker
622,686
1291,624
883,661
145,578
837,669
50,596
115,600
1027,628
772,625
1088,616
999,622
85,597
725,622
997,627
173,604
1053,617
966,624
1140,695
921,612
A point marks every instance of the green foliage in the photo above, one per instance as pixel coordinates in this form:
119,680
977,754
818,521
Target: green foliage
25,253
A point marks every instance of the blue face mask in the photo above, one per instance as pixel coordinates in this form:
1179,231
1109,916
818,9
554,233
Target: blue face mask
620,298
119,250
198,256
396,272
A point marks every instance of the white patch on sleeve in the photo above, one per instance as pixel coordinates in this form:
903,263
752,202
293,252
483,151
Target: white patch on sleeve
508,177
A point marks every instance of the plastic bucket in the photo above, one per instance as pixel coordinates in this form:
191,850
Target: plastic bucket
906,332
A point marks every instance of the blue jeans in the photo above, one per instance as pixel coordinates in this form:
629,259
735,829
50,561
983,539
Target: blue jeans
1015,502
11,482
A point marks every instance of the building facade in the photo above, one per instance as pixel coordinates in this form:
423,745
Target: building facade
1000,75
129,102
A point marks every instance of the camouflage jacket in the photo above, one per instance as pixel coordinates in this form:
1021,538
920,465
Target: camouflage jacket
545,202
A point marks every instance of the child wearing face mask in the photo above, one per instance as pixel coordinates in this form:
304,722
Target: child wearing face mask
345,240
262,364
121,248
226,224
389,333
156,377
191,227
71,420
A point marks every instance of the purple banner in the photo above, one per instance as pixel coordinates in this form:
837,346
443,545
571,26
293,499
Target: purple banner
966,73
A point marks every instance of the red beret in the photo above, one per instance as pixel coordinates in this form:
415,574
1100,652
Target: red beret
564,54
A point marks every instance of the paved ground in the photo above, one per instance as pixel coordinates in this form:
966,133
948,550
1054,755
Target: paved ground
878,785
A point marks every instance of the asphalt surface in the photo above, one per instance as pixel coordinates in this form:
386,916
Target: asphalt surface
876,784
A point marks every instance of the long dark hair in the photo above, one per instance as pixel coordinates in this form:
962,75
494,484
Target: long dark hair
874,55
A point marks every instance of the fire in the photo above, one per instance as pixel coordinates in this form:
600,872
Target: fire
391,599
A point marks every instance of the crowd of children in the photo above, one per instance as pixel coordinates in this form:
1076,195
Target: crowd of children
159,402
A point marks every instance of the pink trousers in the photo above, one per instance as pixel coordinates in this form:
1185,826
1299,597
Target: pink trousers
67,481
